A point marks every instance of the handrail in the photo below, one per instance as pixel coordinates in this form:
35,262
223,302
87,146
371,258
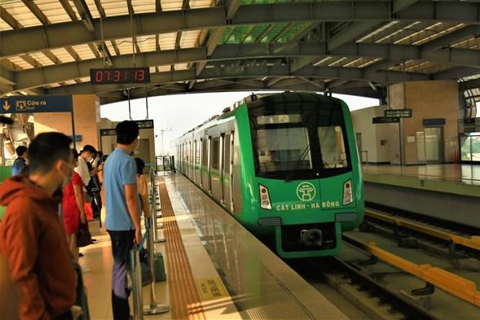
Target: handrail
470,242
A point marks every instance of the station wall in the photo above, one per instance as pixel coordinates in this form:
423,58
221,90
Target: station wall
430,135
86,113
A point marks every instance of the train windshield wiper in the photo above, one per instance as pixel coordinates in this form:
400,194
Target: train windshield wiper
292,172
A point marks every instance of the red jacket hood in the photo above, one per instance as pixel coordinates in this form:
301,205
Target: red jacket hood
20,186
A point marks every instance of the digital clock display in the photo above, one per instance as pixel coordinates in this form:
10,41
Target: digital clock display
119,75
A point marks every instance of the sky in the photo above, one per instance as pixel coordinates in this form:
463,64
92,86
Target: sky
174,115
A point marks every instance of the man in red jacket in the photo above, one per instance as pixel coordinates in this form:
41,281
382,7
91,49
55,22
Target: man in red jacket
32,237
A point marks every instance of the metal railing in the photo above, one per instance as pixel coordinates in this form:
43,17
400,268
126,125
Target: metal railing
137,290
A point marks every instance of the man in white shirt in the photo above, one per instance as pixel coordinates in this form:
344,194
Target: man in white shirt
86,155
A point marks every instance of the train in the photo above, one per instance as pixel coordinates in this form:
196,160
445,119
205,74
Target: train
285,165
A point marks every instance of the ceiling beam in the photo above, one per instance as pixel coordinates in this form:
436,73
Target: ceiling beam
395,53
36,12
231,9
9,19
52,36
85,14
239,72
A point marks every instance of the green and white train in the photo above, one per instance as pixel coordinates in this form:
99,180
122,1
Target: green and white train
286,166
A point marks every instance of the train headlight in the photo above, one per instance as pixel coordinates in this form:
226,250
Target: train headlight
347,192
265,202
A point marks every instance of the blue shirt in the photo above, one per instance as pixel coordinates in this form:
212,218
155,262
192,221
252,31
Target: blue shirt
119,170
18,166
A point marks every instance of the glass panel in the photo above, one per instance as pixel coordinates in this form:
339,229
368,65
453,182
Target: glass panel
215,153
432,140
204,153
226,164
283,149
332,147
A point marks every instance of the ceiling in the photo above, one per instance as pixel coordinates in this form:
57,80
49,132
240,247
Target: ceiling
350,47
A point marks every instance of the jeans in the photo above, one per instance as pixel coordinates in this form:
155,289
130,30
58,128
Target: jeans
122,243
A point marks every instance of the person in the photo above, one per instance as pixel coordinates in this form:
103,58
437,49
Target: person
142,186
103,209
95,185
8,291
32,237
21,162
123,212
73,208
85,157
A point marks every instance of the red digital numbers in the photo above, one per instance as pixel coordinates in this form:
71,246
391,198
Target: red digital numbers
119,75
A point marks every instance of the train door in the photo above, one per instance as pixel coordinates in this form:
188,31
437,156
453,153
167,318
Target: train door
215,180
201,161
189,161
196,164
226,170
430,145
205,168
231,175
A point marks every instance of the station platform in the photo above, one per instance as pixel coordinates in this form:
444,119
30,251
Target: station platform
215,268
445,191
453,178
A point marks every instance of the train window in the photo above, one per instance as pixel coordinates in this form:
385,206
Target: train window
332,147
215,153
281,149
197,152
226,153
204,153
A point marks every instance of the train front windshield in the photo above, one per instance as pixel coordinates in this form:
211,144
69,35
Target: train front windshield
304,141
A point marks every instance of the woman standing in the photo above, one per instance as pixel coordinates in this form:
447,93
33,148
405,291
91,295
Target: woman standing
142,186
73,208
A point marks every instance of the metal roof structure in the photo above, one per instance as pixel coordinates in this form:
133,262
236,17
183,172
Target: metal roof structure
352,47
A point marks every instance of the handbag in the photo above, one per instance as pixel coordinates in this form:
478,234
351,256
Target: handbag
84,238
145,260
145,266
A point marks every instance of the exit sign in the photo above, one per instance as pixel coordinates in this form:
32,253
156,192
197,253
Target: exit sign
398,113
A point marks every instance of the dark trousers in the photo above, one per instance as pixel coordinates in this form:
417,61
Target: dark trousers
122,243
64,316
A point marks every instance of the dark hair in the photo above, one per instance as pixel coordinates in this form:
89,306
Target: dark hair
104,157
46,149
89,148
140,165
127,132
20,150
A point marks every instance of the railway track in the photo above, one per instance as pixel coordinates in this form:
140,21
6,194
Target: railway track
406,268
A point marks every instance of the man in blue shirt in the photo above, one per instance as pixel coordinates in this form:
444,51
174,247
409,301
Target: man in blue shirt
21,162
123,212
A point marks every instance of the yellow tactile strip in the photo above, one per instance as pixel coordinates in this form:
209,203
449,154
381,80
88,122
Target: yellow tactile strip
184,297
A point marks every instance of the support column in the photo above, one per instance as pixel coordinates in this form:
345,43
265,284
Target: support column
86,112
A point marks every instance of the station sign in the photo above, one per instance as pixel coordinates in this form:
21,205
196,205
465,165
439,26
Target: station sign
142,124
434,122
36,104
398,113
379,120
107,132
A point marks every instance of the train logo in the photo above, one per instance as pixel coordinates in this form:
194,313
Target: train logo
306,191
